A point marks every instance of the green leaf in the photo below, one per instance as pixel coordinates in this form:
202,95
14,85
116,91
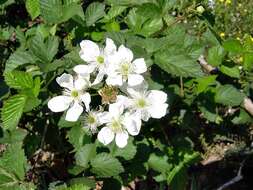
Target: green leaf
128,152
154,44
209,111
152,26
215,55
204,82
94,12
16,136
18,79
154,85
32,103
159,163
113,12
78,187
51,10
233,46
72,10
210,114
127,2
248,56
83,181
144,24
12,111
52,44
104,165
13,165
242,118
229,95
44,51
17,59
56,11
77,136
117,37
33,8
36,87
177,178
85,154
68,2
179,65
247,61
230,71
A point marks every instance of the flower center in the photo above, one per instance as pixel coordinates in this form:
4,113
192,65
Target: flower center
100,59
91,119
116,126
141,103
125,69
74,93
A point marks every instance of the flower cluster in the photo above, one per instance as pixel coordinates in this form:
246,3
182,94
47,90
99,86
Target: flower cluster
115,68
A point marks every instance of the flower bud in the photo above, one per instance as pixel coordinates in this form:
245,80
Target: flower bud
200,9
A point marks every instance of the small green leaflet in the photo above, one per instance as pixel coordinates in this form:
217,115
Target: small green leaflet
229,95
12,111
104,165
18,79
94,12
13,165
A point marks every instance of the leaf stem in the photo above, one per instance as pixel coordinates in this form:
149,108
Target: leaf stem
181,87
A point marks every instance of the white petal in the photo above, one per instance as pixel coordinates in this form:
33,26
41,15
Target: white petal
116,109
157,96
86,99
121,139
114,59
133,93
84,69
139,66
135,79
115,80
125,54
74,112
81,83
105,135
99,77
158,111
59,103
65,81
104,117
123,100
145,115
89,51
132,123
110,47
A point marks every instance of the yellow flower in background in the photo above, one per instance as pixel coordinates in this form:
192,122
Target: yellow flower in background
200,9
238,38
228,2
251,38
222,34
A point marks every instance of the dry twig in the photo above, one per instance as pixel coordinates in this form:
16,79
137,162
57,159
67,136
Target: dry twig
237,178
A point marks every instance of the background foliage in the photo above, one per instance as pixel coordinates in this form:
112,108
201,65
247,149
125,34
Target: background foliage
208,120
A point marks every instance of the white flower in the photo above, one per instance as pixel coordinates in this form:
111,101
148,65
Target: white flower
211,3
96,58
122,68
118,125
72,98
93,120
145,103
